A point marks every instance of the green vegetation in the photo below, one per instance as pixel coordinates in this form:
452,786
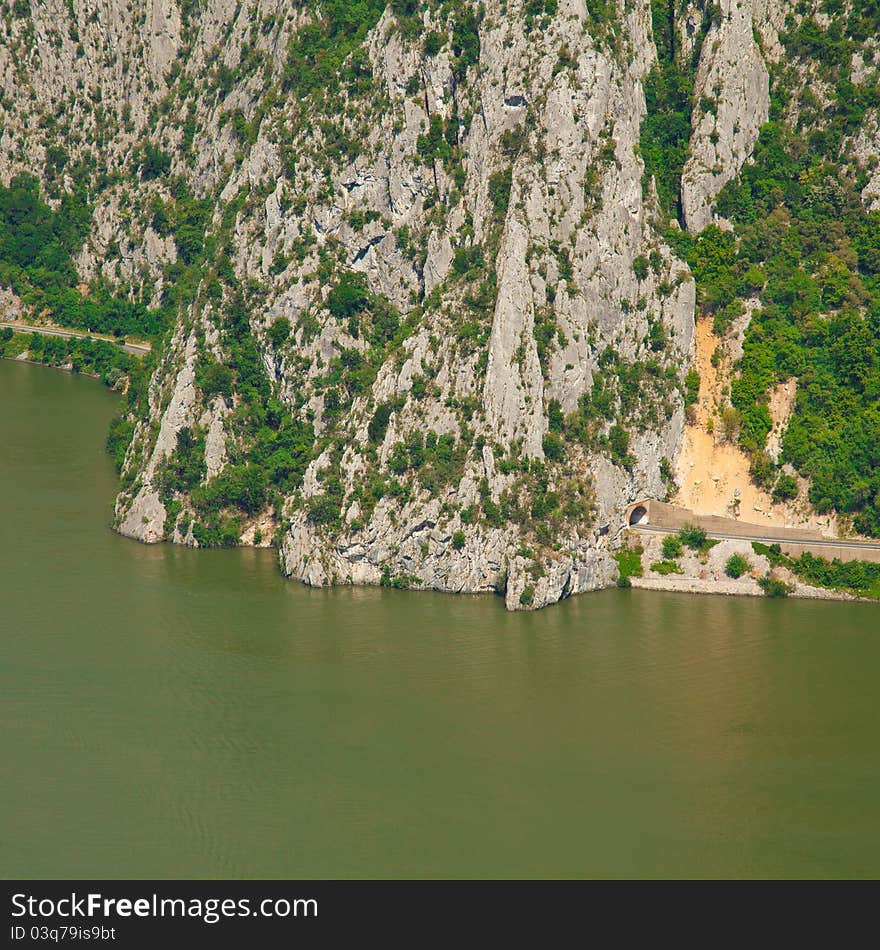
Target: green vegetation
434,42
348,297
625,395
692,388
397,581
185,467
269,449
369,315
805,244
804,234
37,245
151,162
237,486
736,566
438,142
98,358
436,460
629,564
666,128
279,332
554,447
379,422
188,221
329,50
861,578
696,539
672,547
786,488
108,361
666,567
213,378
773,587
465,38
499,190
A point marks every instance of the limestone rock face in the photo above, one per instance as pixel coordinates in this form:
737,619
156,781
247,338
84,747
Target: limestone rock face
587,119
473,171
866,150
732,95
143,515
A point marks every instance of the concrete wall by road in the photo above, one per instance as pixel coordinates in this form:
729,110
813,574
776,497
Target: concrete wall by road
793,541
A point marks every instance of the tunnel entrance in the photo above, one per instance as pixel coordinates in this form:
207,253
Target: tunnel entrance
639,515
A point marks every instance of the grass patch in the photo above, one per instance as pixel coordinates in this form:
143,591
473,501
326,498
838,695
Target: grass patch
736,566
860,578
773,587
666,567
629,563
695,538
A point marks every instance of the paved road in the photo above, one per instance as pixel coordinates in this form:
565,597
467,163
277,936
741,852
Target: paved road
717,536
138,349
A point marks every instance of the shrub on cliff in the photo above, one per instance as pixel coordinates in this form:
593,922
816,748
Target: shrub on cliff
629,564
773,587
666,567
736,566
786,488
695,538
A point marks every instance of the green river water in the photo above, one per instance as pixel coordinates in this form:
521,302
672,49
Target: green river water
177,713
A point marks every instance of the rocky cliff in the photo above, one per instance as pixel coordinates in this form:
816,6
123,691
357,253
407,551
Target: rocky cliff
423,323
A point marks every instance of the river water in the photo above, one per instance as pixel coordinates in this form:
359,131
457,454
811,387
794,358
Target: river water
176,713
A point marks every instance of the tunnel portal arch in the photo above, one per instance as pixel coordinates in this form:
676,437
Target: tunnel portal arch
638,515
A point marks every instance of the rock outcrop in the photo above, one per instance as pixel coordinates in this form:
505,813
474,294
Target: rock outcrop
731,103
423,319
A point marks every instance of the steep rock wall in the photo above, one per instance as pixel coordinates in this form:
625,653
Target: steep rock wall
439,267
732,99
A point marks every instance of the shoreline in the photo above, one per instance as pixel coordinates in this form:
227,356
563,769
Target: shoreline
137,347
690,585
705,573
699,574
65,368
